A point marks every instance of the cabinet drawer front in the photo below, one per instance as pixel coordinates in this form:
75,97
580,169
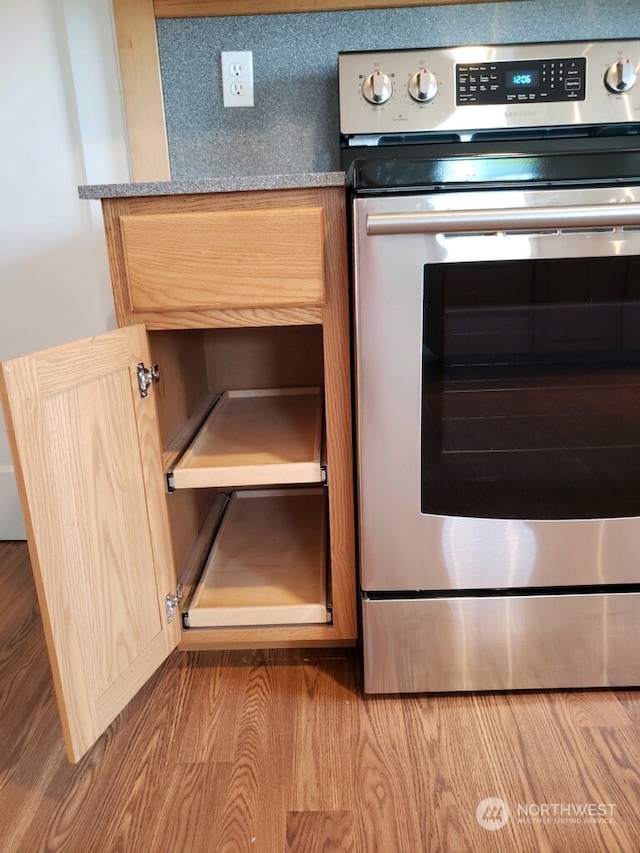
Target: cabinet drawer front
225,259
509,642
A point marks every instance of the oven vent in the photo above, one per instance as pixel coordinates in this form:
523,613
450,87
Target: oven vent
505,135
417,138
548,232
586,230
560,132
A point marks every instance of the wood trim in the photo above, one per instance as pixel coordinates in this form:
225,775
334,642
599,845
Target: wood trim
135,28
337,373
214,8
224,319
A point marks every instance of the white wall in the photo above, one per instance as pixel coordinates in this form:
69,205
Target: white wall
61,125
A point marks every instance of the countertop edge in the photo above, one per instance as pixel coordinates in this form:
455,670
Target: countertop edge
212,185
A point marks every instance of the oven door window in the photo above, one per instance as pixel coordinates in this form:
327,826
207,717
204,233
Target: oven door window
531,389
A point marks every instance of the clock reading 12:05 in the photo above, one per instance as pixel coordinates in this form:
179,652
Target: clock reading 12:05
522,79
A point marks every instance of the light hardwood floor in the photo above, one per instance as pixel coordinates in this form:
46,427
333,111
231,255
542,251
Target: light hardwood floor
282,753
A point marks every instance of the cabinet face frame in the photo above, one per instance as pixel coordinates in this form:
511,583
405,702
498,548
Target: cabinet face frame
136,35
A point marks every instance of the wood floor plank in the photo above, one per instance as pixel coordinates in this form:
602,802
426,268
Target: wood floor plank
325,722
320,832
31,749
192,801
390,814
207,691
630,701
560,772
254,818
455,768
615,752
597,708
282,752
116,791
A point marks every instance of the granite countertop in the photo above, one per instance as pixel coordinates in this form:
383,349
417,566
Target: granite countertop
229,183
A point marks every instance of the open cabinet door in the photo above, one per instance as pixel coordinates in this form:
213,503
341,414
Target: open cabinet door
88,464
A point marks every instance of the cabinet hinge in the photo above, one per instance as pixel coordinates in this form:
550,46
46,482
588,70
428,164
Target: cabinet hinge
147,377
323,473
172,602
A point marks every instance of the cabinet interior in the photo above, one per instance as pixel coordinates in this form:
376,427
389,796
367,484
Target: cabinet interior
278,585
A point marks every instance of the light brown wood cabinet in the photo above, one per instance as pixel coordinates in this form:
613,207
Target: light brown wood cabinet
213,508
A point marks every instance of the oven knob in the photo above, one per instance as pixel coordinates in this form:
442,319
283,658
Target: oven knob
423,86
377,88
620,77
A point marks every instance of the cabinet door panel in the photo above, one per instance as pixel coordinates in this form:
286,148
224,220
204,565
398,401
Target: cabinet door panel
87,456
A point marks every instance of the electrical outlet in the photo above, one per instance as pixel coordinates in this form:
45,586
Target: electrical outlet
237,78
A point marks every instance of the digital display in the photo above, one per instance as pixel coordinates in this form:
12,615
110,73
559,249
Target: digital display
522,79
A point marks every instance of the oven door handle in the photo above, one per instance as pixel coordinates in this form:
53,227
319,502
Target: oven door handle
504,219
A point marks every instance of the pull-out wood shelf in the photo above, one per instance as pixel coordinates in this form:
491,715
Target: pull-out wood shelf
268,563
256,438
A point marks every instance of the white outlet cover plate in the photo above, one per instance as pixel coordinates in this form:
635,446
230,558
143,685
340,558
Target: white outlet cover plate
237,78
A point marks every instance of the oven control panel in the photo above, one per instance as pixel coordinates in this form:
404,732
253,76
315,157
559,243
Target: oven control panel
489,87
517,82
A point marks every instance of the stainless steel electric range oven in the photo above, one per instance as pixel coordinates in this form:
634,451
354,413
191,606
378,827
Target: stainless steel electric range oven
496,268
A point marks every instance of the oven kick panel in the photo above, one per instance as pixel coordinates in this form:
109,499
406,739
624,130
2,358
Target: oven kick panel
467,89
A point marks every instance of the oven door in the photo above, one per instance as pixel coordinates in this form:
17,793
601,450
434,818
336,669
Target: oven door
498,388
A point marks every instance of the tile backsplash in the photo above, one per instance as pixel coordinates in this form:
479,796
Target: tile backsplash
293,127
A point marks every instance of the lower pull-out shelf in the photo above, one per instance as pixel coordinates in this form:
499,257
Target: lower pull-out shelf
268,563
